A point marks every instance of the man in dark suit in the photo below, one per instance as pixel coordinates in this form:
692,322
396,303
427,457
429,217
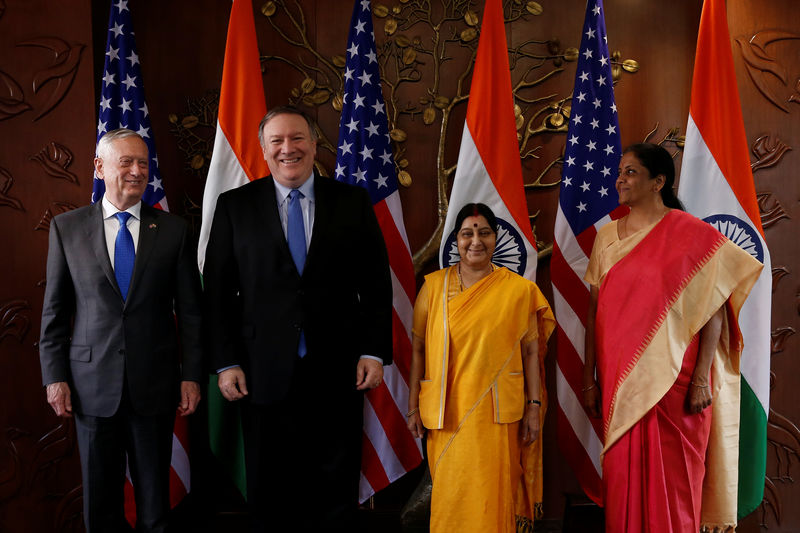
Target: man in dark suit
118,274
298,309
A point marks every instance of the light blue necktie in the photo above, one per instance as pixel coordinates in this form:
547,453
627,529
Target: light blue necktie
296,236
124,254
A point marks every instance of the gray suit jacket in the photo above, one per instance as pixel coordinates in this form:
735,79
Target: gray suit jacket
92,339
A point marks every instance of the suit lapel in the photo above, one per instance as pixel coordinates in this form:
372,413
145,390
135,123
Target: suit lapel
148,233
96,236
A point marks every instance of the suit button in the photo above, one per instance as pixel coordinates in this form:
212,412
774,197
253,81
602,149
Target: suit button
301,292
122,352
296,326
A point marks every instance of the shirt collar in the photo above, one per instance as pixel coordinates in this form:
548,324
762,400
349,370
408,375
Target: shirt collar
307,188
109,210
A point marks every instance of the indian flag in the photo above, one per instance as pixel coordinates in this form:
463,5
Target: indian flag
489,169
717,185
237,159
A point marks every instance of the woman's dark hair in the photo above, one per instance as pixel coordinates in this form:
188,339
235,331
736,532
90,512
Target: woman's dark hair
658,161
474,210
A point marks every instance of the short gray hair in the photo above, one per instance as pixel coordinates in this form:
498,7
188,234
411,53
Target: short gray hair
106,140
287,110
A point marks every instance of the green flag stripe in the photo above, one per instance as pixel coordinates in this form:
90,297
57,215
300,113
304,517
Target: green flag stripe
225,435
752,452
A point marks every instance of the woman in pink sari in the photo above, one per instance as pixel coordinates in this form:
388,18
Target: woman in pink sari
663,340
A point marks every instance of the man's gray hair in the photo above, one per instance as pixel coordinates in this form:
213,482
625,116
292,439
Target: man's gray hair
106,140
286,110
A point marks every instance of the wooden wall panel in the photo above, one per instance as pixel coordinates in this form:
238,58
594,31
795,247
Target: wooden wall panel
47,130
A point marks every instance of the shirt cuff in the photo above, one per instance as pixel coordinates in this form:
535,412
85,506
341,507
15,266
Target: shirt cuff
224,368
374,358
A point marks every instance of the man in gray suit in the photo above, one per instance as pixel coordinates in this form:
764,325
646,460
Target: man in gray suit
118,274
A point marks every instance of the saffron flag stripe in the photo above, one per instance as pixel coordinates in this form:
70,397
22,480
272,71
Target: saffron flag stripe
237,157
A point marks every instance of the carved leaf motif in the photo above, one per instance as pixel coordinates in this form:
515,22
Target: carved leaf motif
6,181
62,70
778,273
771,210
53,447
768,152
68,514
13,323
772,500
12,99
759,62
779,337
11,478
56,208
54,159
785,436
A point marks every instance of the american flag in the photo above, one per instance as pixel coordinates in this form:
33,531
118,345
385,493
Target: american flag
364,158
122,102
587,201
122,105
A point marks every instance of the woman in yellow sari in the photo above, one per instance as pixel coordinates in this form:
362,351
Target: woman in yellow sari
477,385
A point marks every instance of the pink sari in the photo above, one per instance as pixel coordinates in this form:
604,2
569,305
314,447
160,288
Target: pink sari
651,306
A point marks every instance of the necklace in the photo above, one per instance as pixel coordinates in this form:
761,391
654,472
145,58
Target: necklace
461,280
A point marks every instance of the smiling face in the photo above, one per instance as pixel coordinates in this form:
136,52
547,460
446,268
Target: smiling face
476,242
289,149
122,165
634,183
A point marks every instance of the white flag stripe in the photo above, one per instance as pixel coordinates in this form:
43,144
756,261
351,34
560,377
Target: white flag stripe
396,209
228,174
365,490
401,303
479,187
581,426
570,249
374,431
180,462
713,195
570,323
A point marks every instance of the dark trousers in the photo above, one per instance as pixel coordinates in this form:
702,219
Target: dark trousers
303,456
103,443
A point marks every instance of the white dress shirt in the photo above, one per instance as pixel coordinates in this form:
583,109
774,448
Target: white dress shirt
111,225
307,204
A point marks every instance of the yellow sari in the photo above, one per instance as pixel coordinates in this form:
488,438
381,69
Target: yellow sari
472,398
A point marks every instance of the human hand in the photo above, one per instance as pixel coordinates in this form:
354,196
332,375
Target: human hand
60,398
699,396
591,400
529,425
369,374
190,397
232,383
414,424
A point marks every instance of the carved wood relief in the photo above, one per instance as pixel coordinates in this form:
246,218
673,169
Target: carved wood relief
54,159
6,182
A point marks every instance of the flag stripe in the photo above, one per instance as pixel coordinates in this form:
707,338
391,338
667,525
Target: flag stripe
492,123
394,427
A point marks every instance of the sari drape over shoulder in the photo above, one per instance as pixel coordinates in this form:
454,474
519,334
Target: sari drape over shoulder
472,398
664,469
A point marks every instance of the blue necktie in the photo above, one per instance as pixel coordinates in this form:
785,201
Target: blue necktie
296,236
124,254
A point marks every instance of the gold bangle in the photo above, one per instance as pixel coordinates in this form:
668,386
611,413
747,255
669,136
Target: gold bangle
590,387
698,386
411,412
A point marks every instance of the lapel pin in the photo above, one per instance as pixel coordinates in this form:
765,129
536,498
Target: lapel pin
152,226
